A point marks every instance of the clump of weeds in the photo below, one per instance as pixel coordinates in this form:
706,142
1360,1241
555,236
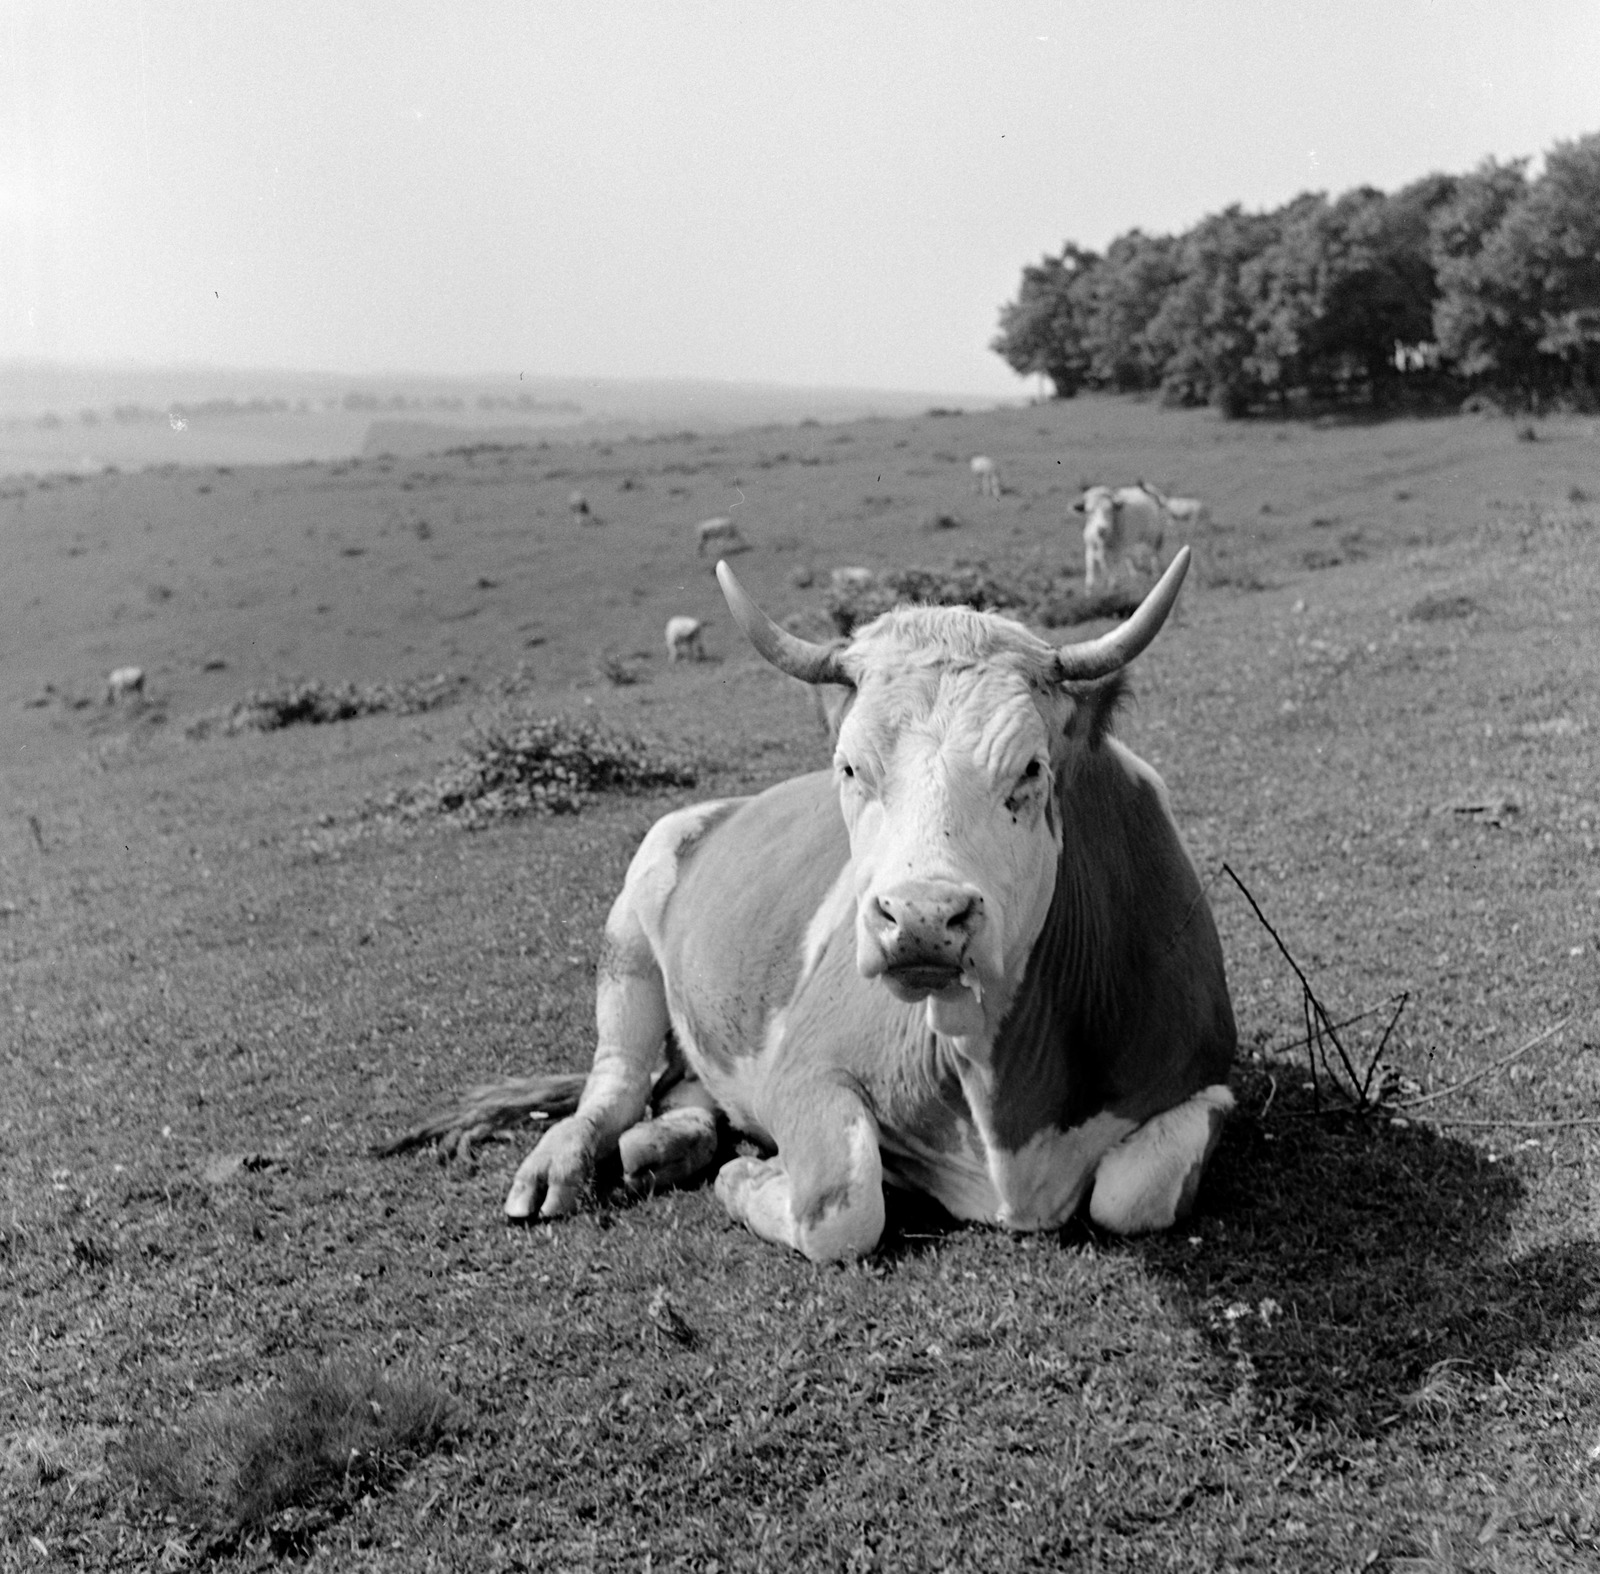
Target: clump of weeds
290,1462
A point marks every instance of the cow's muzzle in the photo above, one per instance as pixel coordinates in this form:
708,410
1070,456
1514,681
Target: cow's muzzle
917,936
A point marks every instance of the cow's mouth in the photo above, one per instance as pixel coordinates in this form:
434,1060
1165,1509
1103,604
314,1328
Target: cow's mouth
916,981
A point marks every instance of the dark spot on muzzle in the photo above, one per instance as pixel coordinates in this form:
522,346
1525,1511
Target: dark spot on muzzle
922,930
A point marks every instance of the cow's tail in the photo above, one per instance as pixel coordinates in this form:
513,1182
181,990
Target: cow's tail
488,1108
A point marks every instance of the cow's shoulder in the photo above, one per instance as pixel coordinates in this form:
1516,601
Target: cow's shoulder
759,847
761,862
731,935
1124,1006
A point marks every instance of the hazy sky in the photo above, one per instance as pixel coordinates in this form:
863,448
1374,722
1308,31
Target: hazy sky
793,192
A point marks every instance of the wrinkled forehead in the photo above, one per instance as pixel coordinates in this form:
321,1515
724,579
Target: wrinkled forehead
981,688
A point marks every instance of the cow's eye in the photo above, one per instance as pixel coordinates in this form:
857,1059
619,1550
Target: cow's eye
1020,792
847,770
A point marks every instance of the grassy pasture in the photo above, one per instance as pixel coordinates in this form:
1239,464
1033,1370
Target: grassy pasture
1376,1346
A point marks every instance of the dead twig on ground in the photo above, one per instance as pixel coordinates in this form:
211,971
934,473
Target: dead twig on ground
1488,1071
1344,1022
1320,1027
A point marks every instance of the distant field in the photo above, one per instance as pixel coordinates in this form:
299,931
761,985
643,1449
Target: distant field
1376,1346
83,420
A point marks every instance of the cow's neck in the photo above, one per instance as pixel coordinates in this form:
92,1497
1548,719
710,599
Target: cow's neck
1043,1064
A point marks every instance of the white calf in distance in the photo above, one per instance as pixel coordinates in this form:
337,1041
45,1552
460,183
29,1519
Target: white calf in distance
683,639
122,682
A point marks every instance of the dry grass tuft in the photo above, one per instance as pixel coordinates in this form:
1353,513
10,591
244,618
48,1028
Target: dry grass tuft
312,702
1032,592
1440,1394
620,671
291,1461
515,765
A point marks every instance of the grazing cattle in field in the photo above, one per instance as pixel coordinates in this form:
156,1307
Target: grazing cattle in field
720,532
986,476
852,578
578,504
1118,521
973,959
122,682
683,639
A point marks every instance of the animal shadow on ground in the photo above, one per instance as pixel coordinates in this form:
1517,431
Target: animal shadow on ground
1363,1267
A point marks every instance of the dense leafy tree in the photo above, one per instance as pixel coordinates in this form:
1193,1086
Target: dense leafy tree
1477,327
1521,310
1491,278
1343,284
1202,332
1126,292
1044,329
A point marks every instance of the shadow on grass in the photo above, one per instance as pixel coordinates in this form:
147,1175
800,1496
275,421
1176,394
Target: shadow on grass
1363,1267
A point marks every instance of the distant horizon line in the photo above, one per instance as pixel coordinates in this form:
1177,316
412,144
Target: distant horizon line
134,364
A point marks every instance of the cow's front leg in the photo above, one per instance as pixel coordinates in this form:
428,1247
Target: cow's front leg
631,1026
822,1193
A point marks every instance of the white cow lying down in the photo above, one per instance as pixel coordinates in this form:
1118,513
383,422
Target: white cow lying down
683,639
973,959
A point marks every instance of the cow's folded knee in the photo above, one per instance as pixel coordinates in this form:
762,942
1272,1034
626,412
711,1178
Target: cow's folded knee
1149,1180
823,1192
836,1226
842,1228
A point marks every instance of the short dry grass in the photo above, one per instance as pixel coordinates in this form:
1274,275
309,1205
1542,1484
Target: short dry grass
1377,1345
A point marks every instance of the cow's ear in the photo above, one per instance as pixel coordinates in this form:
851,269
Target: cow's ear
832,701
1093,707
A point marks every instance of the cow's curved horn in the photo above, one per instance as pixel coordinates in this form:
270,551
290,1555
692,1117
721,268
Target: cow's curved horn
1099,658
800,658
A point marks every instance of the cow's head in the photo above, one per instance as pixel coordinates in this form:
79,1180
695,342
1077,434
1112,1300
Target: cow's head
960,730
1100,507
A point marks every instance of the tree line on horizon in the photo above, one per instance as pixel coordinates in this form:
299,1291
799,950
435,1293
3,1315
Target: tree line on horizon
1486,283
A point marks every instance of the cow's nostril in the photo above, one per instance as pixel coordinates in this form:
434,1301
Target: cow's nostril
962,919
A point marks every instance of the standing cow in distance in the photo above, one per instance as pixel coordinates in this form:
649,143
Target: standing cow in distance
986,476
720,532
1118,521
973,959
683,639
